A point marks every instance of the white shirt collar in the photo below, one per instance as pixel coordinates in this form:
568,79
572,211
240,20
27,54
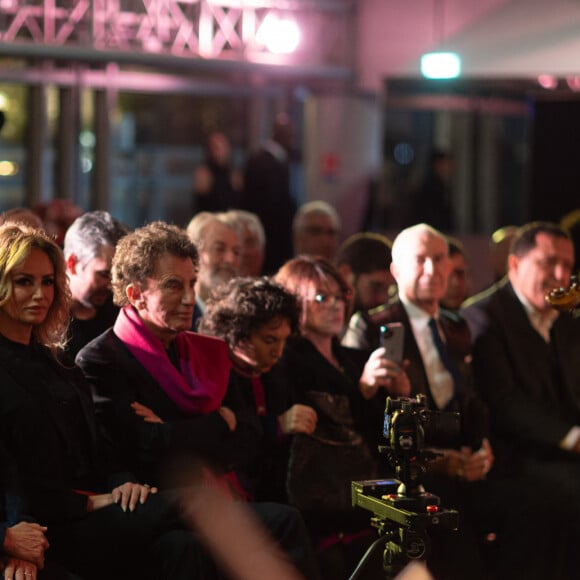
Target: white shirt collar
541,320
532,311
415,313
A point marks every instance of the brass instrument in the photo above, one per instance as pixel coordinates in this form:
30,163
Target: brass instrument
563,299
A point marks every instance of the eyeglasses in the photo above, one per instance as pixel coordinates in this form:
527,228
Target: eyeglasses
331,299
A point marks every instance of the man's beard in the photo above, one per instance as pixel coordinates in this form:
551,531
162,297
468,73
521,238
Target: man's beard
97,299
221,275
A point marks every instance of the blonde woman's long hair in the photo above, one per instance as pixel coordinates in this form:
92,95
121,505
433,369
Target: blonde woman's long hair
16,243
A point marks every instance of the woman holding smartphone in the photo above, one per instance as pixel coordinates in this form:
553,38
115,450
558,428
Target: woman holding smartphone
336,382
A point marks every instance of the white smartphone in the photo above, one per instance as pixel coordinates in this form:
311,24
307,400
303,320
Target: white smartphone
392,339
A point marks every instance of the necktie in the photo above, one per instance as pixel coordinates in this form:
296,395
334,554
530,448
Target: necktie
443,351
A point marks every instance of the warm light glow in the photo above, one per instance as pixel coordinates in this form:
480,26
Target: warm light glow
8,168
3,100
547,81
440,65
279,35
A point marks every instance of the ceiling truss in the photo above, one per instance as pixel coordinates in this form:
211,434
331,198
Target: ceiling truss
209,29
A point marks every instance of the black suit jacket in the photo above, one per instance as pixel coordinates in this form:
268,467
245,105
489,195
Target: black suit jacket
532,388
364,332
303,369
118,379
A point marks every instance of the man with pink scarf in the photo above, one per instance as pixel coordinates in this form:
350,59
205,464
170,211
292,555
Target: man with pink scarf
159,388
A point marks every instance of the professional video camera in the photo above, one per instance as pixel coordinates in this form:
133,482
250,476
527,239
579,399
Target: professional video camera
408,426
403,510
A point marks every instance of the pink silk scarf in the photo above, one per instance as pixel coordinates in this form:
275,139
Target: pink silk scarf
203,360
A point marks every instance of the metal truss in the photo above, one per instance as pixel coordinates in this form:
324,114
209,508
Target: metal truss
211,29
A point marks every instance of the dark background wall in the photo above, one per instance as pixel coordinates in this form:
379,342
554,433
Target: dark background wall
555,167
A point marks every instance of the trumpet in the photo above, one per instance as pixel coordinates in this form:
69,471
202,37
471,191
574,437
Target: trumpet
562,299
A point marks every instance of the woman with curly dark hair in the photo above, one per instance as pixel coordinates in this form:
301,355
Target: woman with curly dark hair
255,317
239,309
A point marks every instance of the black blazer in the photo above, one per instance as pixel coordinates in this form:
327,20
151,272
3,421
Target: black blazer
532,388
118,379
33,433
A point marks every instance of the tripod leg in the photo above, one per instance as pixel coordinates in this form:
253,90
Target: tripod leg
372,549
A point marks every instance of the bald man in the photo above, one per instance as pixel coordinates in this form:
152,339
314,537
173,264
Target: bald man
437,357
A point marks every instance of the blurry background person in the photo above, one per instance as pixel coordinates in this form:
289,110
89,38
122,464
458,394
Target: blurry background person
315,230
458,282
216,184
499,247
432,203
218,239
89,247
21,215
364,260
570,223
253,242
57,215
267,192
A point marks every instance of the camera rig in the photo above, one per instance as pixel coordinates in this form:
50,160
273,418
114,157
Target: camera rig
403,512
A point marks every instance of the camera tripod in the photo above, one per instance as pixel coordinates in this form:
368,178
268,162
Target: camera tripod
402,522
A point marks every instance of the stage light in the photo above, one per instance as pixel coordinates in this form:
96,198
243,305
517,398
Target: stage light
279,35
548,81
440,65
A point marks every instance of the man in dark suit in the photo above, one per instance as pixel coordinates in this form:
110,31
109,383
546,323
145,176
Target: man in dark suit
165,385
527,366
421,266
267,193
437,355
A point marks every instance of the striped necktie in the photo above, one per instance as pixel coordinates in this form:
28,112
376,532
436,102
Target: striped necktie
443,351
